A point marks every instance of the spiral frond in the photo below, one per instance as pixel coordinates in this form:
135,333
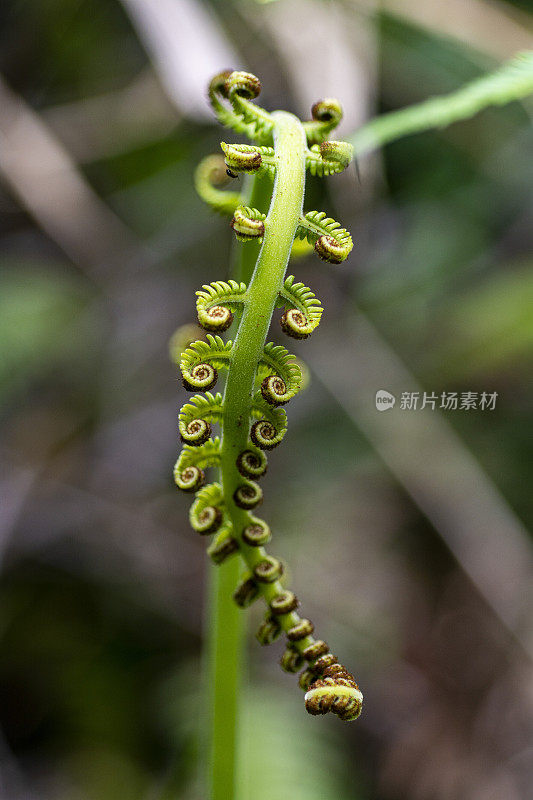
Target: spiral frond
304,310
300,630
248,224
248,495
200,362
307,677
242,87
195,416
265,435
209,178
335,691
284,384
252,463
248,158
284,603
270,426
326,115
268,570
206,514
315,650
246,592
189,479
325,661
269,630
215,301
332,243
291,660
223,547
230,95
328,158
196,432
257,533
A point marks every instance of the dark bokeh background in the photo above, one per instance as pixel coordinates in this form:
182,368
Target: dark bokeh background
405,533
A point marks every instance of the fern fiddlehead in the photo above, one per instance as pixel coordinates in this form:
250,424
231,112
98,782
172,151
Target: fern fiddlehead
261,377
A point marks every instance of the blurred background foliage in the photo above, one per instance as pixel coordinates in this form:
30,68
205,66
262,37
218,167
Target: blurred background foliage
103,243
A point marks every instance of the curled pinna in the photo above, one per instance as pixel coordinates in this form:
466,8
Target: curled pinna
261,377
214,305
248,224
336,691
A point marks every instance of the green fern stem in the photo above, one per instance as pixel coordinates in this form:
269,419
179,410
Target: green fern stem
280,229
247,303
225,621
226,632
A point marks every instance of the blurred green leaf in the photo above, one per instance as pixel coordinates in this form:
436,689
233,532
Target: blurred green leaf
39,308
488,328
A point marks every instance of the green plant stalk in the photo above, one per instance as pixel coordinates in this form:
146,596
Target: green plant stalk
225,622
226,640
260,300
280,229
225,656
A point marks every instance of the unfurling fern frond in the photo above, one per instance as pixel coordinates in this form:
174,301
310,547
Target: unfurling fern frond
239,113
201,360
334,690
304,310
248,224
326,114
207,513
252,463
256,533
328,158
214,301
271,425
249,158
248,495
261,377
281,386
195,417
223,546
332,243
